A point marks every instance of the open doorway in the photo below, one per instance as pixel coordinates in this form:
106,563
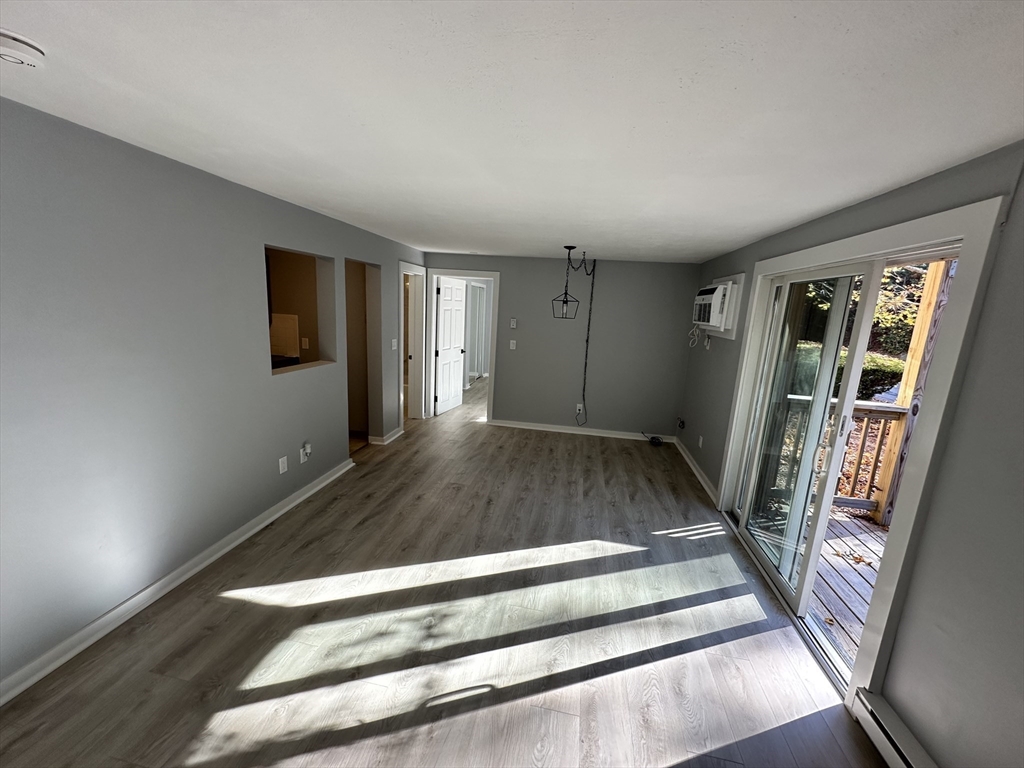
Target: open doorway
894,370
412,346
363,336
478,315
462,316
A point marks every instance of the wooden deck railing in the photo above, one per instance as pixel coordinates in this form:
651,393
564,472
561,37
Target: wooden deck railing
875,424
877,447
865,475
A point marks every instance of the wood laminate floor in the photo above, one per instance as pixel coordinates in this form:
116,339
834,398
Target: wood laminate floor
469,595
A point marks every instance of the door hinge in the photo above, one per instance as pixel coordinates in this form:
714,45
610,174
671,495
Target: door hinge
437,353
435,398
439,290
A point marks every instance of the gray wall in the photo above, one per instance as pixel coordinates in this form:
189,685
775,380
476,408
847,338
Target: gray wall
957,671
139,421
711,374
638,352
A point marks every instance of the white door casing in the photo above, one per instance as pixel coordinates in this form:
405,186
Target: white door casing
450,329
418,407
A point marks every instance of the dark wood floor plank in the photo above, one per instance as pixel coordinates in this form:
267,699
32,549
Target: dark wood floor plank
466,595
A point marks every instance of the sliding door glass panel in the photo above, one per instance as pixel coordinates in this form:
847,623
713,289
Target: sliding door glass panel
796,401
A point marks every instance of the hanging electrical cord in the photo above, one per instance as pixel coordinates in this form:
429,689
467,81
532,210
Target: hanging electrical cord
590,315
694,336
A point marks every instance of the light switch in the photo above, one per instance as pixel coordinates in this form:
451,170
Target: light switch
512,344
305,343
394,344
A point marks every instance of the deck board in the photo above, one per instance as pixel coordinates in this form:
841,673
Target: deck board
843,587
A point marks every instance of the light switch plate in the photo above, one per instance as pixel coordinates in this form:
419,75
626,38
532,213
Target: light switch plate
394,344
305,343
512,344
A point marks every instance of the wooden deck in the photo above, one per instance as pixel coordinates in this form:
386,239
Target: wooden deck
847,569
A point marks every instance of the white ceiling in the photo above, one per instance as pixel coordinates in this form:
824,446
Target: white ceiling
663,131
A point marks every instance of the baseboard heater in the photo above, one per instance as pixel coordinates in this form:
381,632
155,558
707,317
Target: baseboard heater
888,732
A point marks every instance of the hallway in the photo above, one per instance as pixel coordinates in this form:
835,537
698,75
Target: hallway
469,595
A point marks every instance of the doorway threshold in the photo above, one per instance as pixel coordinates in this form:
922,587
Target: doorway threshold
829,658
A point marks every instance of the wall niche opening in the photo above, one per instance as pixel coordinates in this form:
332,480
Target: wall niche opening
300,309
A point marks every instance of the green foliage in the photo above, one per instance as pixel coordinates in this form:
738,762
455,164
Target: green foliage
896,312
880,372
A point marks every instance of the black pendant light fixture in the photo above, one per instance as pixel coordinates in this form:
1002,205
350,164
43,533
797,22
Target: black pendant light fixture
564,306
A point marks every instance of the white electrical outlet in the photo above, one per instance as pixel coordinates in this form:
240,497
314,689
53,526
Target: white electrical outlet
700,441
282,465
512,344
304,453
579,408
305,343
513,323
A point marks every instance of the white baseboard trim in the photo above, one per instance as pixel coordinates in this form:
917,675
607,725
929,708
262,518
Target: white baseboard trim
388,438
34,671
708,486
574,430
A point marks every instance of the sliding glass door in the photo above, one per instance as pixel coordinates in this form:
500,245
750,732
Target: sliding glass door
813,352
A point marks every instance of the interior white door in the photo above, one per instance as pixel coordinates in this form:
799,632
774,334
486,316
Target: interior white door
450,343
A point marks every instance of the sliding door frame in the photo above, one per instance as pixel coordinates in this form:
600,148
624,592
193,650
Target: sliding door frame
971,232
797,595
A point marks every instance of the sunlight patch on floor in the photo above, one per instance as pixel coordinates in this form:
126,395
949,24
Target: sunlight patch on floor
329,588
694,532
334,646
544,670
